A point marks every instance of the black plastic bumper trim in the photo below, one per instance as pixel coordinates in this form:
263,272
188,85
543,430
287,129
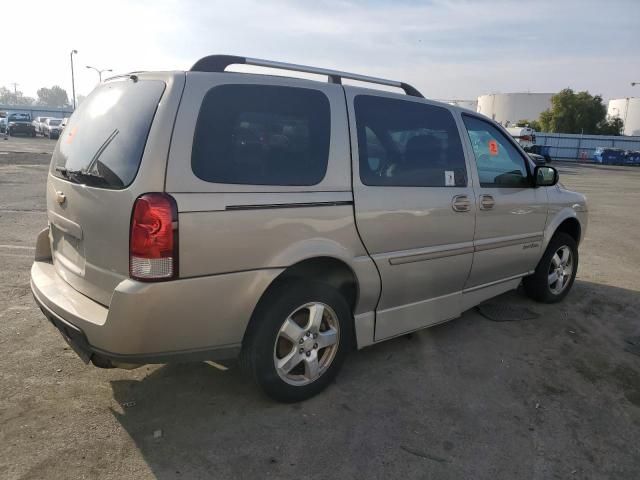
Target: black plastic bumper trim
78,341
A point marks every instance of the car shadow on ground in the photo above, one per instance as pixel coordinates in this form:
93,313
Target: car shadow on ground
455,400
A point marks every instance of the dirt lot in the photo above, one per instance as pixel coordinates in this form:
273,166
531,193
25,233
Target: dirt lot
552,397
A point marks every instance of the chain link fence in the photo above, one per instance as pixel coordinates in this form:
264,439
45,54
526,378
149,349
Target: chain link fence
575,147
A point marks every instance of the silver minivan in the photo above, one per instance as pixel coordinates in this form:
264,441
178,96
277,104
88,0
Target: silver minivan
207,214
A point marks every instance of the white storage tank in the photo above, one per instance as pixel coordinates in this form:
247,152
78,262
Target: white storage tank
628,109
512,107
468,104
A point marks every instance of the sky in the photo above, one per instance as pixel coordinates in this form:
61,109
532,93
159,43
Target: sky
447,49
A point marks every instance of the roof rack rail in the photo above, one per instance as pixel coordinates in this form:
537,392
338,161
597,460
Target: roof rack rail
218,63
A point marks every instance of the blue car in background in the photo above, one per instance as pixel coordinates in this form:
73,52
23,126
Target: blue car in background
616,156
632,157
609,156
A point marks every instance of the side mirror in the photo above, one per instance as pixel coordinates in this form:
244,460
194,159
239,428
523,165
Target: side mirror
545,176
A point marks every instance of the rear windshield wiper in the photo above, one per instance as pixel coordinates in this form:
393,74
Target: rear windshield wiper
82,176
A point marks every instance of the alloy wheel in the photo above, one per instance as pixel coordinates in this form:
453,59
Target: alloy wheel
560,270
306,344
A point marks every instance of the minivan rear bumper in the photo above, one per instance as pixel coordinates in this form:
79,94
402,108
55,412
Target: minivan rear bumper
192,319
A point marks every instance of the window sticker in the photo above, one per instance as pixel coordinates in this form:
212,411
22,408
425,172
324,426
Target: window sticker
493,147
449,178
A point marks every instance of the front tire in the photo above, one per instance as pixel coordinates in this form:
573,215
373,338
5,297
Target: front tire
298,339
556,271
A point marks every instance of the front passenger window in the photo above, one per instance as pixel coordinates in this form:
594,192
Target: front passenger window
499,163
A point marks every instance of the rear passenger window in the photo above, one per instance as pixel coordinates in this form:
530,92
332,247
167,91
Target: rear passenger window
262,135
404,143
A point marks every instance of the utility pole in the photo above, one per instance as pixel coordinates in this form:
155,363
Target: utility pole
73,82
15,88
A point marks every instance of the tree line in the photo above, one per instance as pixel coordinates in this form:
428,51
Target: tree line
573,112
55,96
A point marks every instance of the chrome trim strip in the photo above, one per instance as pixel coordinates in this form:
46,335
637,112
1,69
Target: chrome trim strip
492,244
440,253
288,205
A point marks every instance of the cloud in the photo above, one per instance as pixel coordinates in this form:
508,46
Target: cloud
449,49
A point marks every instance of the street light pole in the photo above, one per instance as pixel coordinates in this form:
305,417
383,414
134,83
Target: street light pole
99,71
73,82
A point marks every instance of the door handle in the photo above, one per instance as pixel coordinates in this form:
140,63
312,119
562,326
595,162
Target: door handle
461,203
486,202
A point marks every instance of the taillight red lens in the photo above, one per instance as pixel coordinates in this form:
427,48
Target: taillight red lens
153,239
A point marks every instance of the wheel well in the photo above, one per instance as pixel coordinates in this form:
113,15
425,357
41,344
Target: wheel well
320,269
326,270
570,226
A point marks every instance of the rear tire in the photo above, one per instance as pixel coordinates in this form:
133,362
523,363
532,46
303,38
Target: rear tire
556,271
297,340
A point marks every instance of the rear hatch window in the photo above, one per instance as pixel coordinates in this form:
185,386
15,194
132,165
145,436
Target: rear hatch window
104,139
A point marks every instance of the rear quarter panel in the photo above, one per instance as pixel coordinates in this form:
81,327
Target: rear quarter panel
228,228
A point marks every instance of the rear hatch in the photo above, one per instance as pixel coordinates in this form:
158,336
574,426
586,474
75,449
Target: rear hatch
101,164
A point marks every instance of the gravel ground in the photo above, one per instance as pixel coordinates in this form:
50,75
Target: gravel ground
555,396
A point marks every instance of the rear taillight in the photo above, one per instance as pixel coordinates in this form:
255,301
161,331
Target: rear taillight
153,239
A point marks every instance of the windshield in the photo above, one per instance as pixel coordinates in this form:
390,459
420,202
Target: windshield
19,117
104,139
55,122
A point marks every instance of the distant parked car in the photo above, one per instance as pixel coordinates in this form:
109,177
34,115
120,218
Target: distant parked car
38,123
632,157
609,156
20,123
52,127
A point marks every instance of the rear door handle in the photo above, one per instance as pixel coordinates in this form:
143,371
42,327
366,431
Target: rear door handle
461,203
486,202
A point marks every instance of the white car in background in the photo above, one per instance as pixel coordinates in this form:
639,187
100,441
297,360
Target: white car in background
38,123
52,128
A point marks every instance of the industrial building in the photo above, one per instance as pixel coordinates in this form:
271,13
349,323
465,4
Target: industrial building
508,108
628,109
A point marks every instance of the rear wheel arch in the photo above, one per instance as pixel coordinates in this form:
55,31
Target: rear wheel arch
328,270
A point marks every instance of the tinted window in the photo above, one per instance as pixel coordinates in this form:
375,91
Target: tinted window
262,135
499,162
404,143
19,117
105,137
